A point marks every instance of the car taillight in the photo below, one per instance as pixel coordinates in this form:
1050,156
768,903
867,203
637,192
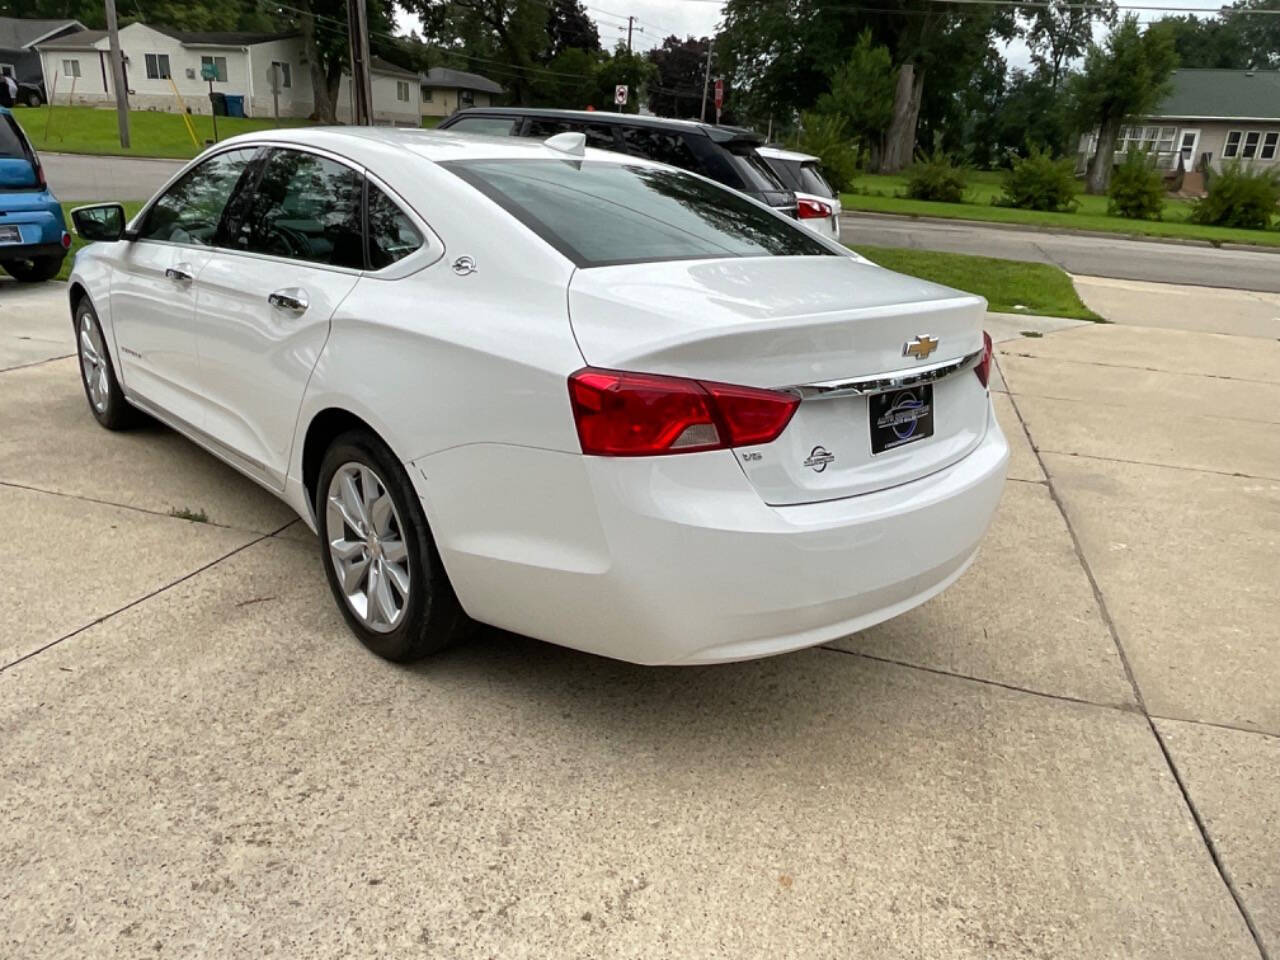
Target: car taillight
40,178
622,414
812,209
983,369
66,240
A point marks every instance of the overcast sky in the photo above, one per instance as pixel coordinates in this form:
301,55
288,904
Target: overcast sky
661,18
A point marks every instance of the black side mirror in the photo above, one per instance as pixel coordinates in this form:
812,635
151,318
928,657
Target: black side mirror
102,221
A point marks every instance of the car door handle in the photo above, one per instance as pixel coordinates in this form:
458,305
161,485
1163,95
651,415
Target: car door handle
292,299
181,272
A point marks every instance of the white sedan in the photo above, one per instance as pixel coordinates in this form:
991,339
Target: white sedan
573,394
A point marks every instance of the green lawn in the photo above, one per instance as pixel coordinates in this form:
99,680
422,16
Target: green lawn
880,194
1010,286
152,133
76,243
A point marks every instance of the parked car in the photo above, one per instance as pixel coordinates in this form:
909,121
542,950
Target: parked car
31,93
727,155
33,234
817,202
570,393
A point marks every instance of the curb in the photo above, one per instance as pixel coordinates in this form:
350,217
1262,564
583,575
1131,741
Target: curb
1064,231
115,156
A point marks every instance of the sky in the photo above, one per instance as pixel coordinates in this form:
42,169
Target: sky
658,19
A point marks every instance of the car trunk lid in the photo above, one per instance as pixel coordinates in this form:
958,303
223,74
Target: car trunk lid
792,322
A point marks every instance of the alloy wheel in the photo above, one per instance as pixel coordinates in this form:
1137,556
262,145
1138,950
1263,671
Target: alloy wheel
367,546
93,363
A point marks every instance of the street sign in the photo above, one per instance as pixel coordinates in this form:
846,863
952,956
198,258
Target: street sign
620,94
208,71
719,92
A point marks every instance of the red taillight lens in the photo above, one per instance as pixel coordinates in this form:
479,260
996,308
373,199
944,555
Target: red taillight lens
811,209
640,414
66,240
983,369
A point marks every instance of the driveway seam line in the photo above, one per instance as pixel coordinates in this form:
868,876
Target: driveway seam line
986,681
129,506
133,603
1218,726
1094,402
1214,855
1152,463
36,363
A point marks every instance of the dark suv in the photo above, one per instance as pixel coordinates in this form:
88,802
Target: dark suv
724,154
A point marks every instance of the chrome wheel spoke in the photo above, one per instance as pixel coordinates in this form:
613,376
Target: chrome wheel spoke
366,546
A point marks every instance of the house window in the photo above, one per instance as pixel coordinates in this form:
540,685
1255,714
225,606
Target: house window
1251,144
6,70
1146,139
284,72
1269,145
219,65
71,68
157,66
466,98
1232,146
402,91
427,94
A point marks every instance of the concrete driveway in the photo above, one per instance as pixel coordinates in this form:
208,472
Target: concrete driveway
1073,753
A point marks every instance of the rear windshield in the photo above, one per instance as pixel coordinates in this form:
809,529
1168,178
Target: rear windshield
11,140
753,170
802,176
599,213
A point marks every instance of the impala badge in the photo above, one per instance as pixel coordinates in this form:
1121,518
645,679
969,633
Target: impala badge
464,266
920,347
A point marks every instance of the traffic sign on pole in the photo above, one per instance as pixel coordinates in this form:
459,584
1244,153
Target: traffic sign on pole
620,94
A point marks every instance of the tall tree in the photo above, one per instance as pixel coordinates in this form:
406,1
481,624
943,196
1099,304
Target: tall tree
633,70
571,28
861,92
1208,42
681,66
1127,76
511,32
1061,31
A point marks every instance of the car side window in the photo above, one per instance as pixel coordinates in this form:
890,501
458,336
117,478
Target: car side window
305,207
660,145
190,210
599,135
392,235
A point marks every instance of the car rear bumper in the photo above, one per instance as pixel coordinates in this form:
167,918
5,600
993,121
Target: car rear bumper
676,559
29,251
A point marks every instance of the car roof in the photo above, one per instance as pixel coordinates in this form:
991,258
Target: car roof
777,153
437,146
720,133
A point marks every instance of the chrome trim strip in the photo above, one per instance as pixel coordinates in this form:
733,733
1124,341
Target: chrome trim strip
884,382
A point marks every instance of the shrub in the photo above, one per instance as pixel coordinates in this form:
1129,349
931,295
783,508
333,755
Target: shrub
936,177
1137,189
1240,197
823,135
1039,182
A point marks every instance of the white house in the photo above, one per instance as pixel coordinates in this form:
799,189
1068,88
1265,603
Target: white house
445,90
163,71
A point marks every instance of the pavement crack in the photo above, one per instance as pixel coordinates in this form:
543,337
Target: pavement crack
1164,466
1128,366
1101,601
36,363
142,599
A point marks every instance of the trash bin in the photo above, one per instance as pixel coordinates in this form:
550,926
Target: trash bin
235,105
219,101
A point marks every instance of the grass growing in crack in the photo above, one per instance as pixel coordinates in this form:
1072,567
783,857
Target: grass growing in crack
1032,333
195,516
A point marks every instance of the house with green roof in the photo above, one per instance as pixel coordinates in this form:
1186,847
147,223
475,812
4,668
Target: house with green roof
1211,116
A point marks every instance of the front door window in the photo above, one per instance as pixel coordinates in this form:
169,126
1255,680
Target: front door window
190,211
1187,146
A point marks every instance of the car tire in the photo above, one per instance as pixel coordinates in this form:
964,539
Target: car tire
97,375
378,553
32,98
34,270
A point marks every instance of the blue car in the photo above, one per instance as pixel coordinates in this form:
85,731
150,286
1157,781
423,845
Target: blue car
33,234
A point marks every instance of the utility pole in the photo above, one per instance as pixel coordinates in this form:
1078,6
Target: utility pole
631,26
361,82
117,75
706,83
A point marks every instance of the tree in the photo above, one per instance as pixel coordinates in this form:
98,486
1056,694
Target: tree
681,65
1060,32
1259,33
633,70
1125,77
1207,42
571,28
862,93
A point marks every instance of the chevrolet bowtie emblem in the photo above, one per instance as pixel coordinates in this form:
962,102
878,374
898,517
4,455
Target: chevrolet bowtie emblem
920,347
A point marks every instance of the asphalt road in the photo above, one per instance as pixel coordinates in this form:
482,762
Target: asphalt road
89,179
1082,255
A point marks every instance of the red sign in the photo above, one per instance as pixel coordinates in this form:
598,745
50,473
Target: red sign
719,92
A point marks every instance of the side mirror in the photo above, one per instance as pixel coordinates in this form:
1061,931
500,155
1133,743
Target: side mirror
102,221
